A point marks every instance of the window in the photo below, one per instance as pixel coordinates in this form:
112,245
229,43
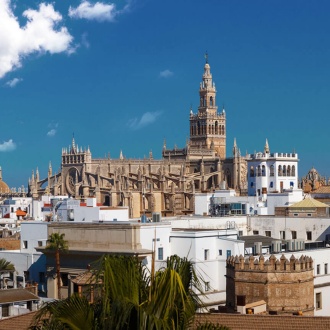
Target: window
228,253
206,254
272,170
25,244
65,279
5,310
280,171
220,252
282,234
263,170
42,278
295,214
26,275
39,243
325,268
207,286
318,300
309,214
317,269
258,170
309,235
256,232
268,233
160,253
294,234
251,171
240,233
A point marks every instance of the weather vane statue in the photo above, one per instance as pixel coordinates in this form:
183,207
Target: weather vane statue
206,57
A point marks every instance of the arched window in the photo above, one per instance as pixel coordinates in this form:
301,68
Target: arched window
293,171
251,171
272,170
288,171
280,171
216,127
284,170
198,128
263,170
211,101
209,129
212,129
258,170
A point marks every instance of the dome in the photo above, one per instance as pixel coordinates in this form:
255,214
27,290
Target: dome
313,174
4,187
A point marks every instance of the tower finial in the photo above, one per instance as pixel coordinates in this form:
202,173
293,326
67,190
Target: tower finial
266,148
206,57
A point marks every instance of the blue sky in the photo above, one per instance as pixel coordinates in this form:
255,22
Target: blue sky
122,76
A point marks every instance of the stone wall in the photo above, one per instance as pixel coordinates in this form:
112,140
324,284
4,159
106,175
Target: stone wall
287,286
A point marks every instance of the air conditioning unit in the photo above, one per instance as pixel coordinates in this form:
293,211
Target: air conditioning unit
300,244
257,248
290,245
276,246
156,217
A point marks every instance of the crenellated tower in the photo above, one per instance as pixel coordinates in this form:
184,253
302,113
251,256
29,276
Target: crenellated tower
208,127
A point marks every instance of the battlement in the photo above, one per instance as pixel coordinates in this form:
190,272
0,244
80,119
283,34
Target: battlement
273,264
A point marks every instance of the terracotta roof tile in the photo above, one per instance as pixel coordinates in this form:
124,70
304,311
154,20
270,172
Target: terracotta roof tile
265,322
12,295
20,322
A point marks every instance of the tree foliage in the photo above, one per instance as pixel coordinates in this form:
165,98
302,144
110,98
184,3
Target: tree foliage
58,244
129,297
6,266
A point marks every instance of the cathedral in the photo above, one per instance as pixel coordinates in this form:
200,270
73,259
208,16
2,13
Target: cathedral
166,185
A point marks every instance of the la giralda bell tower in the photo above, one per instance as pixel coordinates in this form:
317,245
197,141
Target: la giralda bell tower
208,127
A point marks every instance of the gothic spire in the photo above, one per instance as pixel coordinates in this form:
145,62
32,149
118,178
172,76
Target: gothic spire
235,149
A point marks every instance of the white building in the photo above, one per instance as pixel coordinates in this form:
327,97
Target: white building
271,172
16,208
30,265
245,205
208,250
72,210
62,208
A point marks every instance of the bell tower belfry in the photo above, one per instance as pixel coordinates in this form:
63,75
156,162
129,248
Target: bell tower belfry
208,127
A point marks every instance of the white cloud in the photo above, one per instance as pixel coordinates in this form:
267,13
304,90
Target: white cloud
98,11
166,74
7,146
84,40
52,132
146,119
40,34
12,83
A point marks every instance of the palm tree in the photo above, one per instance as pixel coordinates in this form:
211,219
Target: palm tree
130,298
58,244
6,266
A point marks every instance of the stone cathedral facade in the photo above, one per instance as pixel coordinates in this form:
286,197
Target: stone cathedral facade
166,185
